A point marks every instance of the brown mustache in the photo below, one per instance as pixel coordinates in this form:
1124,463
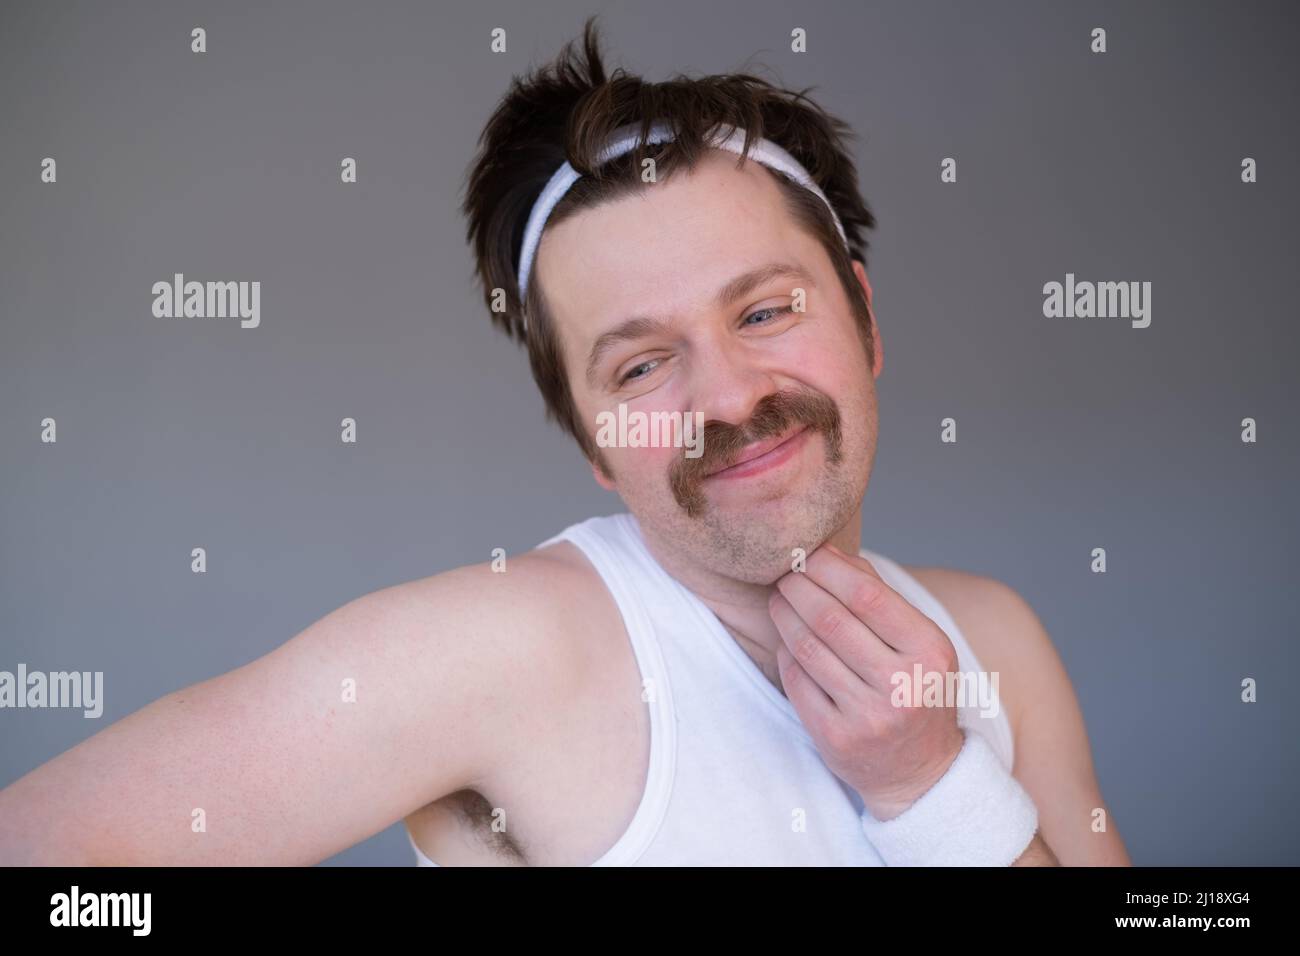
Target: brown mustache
723,442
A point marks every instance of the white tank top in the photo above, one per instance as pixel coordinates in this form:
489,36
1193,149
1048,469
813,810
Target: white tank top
734,778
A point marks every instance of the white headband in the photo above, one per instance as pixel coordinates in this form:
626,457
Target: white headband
622,141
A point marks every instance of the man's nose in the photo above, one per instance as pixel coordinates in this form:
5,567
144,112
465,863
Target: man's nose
730,382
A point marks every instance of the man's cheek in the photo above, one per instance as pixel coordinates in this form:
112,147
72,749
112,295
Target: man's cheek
837,360
823,361
839,374
643,466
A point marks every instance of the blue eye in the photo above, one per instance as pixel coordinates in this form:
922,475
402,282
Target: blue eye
773,311
769,314
630,377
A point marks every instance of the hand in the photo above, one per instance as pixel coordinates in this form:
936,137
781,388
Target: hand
845,633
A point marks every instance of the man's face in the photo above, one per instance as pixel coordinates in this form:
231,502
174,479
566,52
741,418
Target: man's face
760,374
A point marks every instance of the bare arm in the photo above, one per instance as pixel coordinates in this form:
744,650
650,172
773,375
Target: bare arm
1053,759
284,768
1053,756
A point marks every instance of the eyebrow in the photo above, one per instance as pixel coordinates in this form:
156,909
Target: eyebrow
642,326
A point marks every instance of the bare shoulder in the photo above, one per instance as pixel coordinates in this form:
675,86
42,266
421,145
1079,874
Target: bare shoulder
542,581
540,623
1053,754
530,626
517,612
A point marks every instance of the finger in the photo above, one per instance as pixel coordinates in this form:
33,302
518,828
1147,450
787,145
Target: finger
860,588
809,700
832,675
852,641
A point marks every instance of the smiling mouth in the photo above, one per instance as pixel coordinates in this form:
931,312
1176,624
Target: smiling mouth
760,456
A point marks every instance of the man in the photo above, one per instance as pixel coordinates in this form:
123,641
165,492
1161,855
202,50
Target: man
711,678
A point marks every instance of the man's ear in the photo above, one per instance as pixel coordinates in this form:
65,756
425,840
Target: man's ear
861,272
599,474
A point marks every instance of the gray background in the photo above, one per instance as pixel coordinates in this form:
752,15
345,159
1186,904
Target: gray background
1073,433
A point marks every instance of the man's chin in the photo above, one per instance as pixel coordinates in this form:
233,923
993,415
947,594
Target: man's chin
761,542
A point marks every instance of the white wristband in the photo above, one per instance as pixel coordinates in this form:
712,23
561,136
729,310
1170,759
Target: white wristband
976,815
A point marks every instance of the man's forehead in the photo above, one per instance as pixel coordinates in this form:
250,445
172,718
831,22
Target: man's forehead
668,243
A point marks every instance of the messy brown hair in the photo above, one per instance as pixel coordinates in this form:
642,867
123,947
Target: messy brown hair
566,111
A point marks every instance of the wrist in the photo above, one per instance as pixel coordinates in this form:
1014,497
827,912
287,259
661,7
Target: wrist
976,815
887,804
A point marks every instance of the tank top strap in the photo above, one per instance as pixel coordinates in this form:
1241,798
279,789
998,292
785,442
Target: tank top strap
605,542
609,543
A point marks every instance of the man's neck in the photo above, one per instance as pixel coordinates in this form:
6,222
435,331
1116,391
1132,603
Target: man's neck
742,606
